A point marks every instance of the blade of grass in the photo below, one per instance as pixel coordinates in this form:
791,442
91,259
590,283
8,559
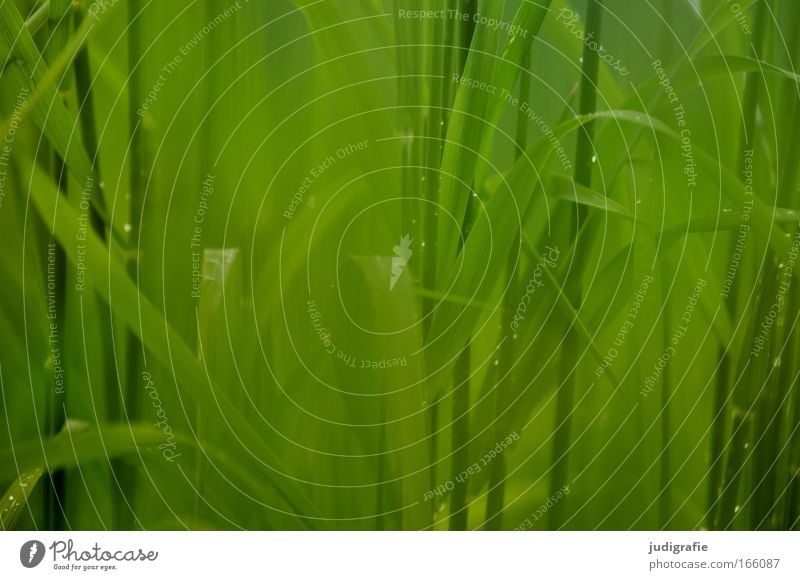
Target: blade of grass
459,455
747,140
568,363
475,273
504,382
464,133
23,67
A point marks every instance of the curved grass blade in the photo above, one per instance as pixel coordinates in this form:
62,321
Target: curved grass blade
464,135
23,66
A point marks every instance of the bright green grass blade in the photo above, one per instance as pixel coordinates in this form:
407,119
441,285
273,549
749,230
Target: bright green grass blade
527,22
36,20
564,187
464,134
23,67
60,25
16,497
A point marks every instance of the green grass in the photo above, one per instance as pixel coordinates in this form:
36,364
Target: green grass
209,320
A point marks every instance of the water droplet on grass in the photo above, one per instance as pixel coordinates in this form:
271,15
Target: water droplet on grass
127,228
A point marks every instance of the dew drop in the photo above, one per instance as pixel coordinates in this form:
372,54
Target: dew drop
127,228
594,158
736,509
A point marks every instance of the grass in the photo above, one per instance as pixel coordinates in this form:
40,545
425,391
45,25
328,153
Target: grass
209,319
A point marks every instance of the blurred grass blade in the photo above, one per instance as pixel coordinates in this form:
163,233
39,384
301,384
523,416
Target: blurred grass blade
108,276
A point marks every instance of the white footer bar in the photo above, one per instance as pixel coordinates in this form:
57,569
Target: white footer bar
401,555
